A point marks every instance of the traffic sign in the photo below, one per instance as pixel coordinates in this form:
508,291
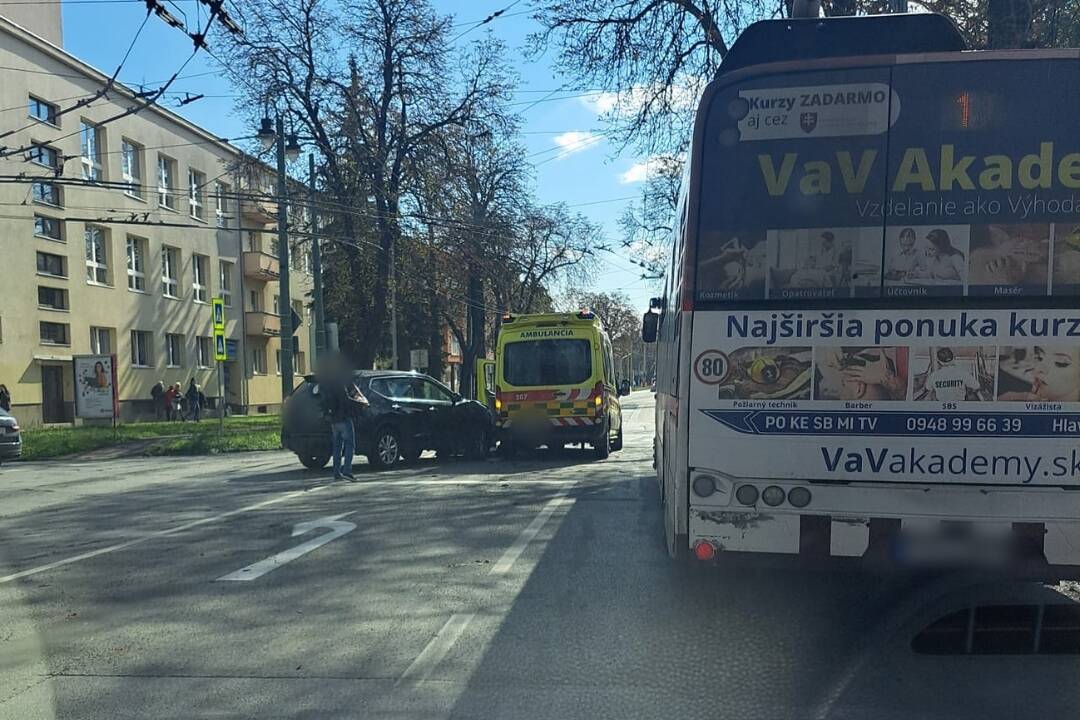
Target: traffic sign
218,305
220,348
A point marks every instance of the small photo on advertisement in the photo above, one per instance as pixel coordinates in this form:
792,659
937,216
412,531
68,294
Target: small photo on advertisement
1036,373
1066,259
1009,259
860,373
953,374
731,266
824,263
766,373
925,260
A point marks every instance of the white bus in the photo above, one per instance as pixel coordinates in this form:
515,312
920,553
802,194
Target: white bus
869,338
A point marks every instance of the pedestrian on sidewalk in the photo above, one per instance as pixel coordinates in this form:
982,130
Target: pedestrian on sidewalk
342,401
5,398
157,398
177,403
168,399
193,406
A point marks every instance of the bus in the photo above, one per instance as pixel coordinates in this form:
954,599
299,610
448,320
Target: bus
555,383
868,340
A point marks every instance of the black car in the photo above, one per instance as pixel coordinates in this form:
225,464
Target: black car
407,413
10,438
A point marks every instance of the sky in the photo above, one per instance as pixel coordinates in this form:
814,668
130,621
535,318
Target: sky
573,161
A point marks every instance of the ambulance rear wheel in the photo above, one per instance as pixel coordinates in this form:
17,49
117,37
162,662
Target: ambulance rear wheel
602,446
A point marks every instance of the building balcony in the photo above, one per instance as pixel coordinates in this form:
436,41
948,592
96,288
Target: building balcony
259,210
262,323
261,266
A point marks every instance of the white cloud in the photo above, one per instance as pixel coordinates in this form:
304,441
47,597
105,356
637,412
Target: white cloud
642,169
574,141
682,96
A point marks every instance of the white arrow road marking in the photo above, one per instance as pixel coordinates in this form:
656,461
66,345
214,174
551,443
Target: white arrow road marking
334,523
157,534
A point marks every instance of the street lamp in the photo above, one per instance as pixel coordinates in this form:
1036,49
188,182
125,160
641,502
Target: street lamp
272,134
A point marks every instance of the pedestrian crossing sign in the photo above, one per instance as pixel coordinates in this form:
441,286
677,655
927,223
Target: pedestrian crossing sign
220,350
218,305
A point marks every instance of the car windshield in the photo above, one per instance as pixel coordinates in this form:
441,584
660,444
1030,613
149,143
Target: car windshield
533,363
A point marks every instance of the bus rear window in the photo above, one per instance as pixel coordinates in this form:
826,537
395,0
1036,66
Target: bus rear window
533,363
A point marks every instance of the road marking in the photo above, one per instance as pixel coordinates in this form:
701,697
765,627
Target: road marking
334,523
153,535
430,657
514,551
426,662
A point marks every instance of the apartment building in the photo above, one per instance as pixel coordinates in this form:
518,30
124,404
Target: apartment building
116,234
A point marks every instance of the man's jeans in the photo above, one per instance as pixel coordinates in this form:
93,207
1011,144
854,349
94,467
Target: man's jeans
344,446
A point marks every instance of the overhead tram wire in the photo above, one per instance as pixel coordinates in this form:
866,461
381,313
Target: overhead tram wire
198,40
86,101
490,18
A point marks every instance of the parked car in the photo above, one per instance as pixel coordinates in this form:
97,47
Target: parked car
10,437
407,414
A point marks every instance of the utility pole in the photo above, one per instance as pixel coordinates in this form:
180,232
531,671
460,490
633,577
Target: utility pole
316,269
393,309
285,303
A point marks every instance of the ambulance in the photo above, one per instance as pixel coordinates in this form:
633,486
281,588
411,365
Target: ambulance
554,384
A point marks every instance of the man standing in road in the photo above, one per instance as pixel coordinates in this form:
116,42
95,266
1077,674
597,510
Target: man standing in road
343,401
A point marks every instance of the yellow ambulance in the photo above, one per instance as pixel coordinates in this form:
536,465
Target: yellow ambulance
554,384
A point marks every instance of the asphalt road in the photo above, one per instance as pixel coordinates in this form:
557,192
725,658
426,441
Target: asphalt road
539,588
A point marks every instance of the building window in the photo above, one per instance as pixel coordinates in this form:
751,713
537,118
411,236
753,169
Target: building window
47,193
196,192
299,365
200,266
91,151
47,227
100,340
49,264
255,301
225,271
52,298
54,333
43,111
206,351
170,271
221,204
131,155
136,263
174,350
258,361
97,258
141,349
45,156
166,171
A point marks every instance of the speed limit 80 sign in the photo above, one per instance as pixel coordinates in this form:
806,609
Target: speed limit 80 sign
711,367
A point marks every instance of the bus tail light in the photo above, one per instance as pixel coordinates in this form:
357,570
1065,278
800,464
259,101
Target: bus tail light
773,495
747,494
704,550
799,497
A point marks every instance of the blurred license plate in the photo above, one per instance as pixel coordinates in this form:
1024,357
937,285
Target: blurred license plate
941,547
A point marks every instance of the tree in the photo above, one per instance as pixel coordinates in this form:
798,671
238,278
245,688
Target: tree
648,226
617,314
370,112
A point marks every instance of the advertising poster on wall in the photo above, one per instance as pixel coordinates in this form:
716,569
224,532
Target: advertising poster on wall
95,386
901,300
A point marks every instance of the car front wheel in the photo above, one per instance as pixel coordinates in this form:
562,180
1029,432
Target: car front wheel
313,460
475,444
386,450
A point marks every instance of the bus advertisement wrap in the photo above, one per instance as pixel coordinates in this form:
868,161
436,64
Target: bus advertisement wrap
865,393
885,263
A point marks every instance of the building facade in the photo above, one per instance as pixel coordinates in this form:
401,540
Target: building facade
115,234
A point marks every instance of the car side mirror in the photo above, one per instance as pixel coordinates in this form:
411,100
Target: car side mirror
648,327
455,397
